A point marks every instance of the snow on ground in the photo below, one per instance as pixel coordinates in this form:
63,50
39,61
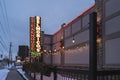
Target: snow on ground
8,67
59,77
4,72
22,73
19,69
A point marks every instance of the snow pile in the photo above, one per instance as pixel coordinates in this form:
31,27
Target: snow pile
3,74
4,71
22,73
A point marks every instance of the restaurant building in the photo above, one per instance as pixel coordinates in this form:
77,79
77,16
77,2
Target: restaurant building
69,46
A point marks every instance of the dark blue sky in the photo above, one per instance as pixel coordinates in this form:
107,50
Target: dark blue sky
52,12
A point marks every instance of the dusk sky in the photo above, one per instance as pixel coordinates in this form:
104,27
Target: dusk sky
14,26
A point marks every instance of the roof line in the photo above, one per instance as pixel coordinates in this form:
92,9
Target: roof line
69,23
79,16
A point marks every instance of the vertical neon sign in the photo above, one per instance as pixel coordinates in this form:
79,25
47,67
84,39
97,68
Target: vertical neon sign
32,34
35,35
38,34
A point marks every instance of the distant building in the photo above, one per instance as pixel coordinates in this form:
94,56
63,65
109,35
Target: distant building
1,56
23,52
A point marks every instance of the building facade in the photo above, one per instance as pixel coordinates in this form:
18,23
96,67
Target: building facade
47,48
75,36
69,46
110,17
23,52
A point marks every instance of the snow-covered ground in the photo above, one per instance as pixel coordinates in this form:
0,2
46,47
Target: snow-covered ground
3,74
59,77
4,71
22,73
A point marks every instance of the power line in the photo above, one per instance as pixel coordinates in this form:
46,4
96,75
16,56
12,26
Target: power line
2,27
3,46
2,42
3,51
2,10
7,18
5,23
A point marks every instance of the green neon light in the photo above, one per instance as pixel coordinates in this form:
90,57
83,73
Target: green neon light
35,53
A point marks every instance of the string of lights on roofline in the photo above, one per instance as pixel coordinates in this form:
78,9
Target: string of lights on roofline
79,48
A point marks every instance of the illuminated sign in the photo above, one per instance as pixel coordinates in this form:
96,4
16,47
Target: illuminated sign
38,32
32,34
35,35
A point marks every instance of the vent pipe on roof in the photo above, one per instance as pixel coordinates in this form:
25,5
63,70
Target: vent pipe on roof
63,24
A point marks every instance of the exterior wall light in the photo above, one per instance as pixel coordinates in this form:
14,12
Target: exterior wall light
45,50
99,40
63,47
73,41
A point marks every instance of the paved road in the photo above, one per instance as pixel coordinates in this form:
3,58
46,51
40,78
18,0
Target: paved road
14,75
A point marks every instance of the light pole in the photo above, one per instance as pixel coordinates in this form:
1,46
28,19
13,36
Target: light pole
93,47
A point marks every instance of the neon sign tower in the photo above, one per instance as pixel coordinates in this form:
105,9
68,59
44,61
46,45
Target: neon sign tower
35,35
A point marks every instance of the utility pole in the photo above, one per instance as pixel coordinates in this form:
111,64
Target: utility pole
10,53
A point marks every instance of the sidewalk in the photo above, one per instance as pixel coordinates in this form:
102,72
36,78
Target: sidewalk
14,75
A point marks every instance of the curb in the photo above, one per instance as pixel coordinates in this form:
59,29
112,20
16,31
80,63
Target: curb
29,77
21,75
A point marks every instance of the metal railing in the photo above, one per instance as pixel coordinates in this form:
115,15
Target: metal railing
73,74
67,73
108,75
77,74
